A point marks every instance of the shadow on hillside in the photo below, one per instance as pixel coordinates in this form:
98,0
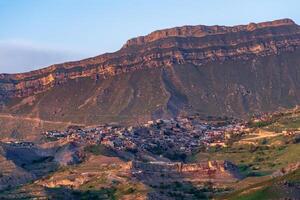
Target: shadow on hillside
59,193
29,160
28,165
63,193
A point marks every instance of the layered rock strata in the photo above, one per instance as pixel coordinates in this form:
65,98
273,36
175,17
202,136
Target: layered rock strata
195,45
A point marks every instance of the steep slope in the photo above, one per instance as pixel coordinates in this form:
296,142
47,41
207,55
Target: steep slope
211,70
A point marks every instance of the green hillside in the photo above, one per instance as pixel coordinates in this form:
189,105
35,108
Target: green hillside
286,187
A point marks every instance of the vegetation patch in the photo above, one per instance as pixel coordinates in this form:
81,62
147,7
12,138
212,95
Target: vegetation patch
286,186
100,149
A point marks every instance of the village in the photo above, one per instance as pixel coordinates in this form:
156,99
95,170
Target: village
181,135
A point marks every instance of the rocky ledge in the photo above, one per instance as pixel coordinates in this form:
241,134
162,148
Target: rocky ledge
195,45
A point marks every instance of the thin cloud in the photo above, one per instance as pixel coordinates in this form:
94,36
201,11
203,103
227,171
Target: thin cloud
20,56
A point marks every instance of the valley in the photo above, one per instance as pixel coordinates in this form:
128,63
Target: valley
185,157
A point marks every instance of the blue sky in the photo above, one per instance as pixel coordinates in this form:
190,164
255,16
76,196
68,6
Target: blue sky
37,33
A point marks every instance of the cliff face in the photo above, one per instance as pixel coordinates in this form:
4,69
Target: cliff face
214,171
178,167
204,31
195,45
213,70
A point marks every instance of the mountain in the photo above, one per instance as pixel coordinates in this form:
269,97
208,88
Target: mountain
210,70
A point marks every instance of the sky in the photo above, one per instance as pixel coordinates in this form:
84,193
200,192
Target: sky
38,33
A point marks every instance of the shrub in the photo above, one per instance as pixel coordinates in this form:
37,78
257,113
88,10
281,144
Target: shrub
264,141
296,140
260,124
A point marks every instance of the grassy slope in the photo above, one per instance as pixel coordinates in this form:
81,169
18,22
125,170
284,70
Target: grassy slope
286,186
263,159
289,121
265,154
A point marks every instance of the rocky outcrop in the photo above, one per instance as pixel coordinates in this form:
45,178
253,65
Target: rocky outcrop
153,173
203,31
203,168
179,167
195,45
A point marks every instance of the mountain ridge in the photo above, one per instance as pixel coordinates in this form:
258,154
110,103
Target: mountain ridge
203,30
181,45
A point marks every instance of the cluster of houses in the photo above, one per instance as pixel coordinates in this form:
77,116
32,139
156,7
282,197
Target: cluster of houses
19,143
177,134
290,133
